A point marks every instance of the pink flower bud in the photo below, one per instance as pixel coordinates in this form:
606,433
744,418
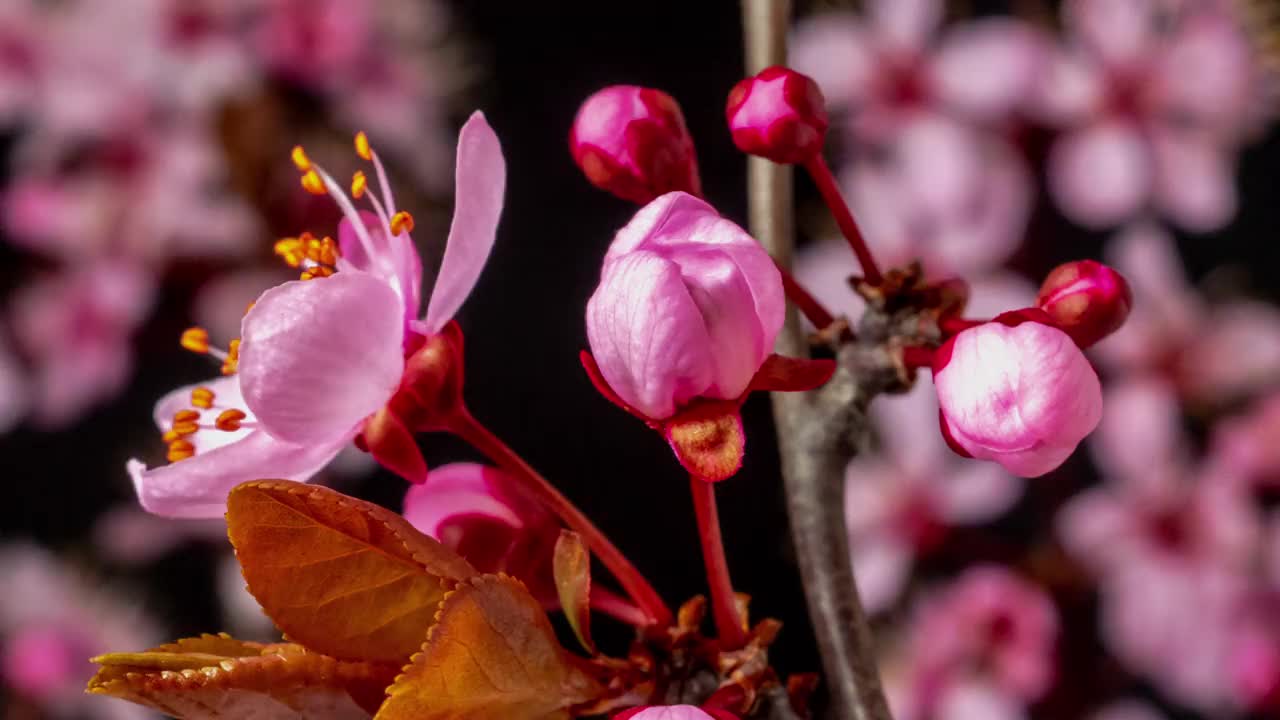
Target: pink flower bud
1087,299
480,512
673,712
632,142
1017,391
778,114
688,307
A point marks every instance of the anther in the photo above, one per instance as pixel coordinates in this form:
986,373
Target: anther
195,339
362,146
229,420
290,250
300,159
312,183
185,416
358,184
185,428
202,397
180,450
401,222
232,363
319,271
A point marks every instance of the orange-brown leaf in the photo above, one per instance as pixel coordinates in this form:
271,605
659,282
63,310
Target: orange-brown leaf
216,677
341,576
492,654
572,565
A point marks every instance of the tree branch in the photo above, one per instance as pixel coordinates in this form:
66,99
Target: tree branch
818,431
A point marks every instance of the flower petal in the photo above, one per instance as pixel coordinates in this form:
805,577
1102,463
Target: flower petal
986,68
481,178
906,25
835,50
1101,175
198,486
1121,33
642,315
318,356
459,489
1195,180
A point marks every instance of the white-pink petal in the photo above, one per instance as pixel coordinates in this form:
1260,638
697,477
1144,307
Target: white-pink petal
1101,175
986,69
318,356
481,178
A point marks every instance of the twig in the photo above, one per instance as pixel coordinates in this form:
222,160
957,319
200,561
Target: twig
816,430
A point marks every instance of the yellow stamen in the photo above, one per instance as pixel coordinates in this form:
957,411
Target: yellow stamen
362,146
312,183
182,429
229,420
328,252
195,339
183,416
180,450
358,184
202,397
169,436
232,363
319,271
291,251
401,222
300,159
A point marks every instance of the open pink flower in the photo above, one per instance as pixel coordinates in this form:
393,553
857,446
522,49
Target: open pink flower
980,647
1016,391
1155,105
688,306
480,512
306,388
673,712
901,502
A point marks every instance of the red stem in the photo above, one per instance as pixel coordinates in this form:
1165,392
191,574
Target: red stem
478,436
826,182
803,300
915,356
724,605
617,607
953,325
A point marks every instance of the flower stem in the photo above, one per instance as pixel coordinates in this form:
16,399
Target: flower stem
826,182
724,605
804,300
465,426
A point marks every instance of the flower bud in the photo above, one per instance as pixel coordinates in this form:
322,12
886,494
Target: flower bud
688,307
1087,299
480,513
778,114
632,142
1017,391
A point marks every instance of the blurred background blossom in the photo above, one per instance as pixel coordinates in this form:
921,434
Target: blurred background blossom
145,176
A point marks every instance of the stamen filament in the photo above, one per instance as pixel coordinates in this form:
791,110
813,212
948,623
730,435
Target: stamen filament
830,190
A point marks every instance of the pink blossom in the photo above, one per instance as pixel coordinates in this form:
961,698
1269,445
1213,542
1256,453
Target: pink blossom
778,114
632,141
688,306
1155,106
888,63
75,330
980,647
1247,446
673,712
306,389
900,502
480,512
1173,332
1016,391
954,197
1087,299
51,623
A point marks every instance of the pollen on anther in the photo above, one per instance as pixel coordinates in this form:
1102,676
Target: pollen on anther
300,159
202,397
319,271
358,184
184,416
362,146
180,450
312,183
401,222
291,250
195,339
229,420
232,363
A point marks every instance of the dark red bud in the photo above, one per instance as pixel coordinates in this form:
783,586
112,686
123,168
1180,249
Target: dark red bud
431,388
1087,299
632,142
779,114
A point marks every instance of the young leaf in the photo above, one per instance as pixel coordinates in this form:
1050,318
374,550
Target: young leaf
341,576
572,565
492,654
216,677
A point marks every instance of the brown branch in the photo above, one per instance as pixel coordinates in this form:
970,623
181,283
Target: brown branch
818,431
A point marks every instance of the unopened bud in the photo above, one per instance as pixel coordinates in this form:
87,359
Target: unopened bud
1087,299
632,142
778,114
